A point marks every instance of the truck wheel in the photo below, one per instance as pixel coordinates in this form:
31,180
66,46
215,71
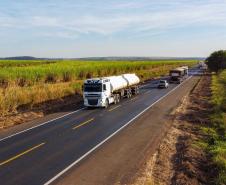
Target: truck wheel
106,104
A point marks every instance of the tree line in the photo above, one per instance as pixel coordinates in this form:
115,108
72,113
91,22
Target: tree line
217,61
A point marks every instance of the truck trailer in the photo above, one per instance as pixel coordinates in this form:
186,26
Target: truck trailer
178,75
100,92
185,70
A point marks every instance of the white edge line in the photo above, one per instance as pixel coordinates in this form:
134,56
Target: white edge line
41,124
102,142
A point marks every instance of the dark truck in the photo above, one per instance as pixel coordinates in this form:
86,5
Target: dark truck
178,75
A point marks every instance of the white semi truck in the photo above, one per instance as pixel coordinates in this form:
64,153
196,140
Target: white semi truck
100,92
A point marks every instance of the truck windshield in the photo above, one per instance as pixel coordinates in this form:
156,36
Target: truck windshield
93,87
175,73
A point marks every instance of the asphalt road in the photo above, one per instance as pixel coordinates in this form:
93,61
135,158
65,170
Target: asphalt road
42,153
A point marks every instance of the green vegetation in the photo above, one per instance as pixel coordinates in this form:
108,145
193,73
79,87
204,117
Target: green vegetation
30,73
21,63
33,82
216,132
217,142
217,61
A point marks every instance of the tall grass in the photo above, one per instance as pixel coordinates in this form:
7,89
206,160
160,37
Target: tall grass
26,83
63,71
13,97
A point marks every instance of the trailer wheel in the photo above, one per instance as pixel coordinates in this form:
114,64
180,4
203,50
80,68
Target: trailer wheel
115,99
136,91
129,95
118,98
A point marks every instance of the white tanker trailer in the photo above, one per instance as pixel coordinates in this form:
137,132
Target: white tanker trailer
100,92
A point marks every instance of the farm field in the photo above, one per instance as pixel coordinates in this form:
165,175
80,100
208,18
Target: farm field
30,82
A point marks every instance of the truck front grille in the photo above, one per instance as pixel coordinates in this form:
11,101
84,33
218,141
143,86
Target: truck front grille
93,101
92,95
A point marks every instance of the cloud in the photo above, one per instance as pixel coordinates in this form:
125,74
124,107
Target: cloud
44,21
64,35
119,17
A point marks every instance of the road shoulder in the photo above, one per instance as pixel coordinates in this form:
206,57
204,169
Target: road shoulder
180,159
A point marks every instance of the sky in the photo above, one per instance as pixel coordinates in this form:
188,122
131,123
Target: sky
95,28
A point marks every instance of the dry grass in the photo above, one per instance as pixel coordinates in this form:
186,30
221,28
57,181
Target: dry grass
14,96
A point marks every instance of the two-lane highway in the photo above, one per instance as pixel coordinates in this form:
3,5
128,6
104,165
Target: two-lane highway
40,155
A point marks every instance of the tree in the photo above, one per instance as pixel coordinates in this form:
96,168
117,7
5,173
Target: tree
217,61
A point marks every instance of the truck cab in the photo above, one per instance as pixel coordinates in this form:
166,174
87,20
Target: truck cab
96,92
179,74
176,75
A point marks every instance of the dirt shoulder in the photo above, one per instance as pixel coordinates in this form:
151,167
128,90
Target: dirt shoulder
27,117
180,159
28,113
120,160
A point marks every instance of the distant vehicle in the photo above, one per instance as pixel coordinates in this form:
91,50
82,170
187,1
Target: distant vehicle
202,65
100,92
178,75
163,84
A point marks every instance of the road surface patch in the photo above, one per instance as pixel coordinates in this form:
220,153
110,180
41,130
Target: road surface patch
133,98
50,121
82,124
147,92
21,154
114,108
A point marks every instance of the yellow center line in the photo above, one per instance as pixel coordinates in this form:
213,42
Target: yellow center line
114,108
21,154
84,123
